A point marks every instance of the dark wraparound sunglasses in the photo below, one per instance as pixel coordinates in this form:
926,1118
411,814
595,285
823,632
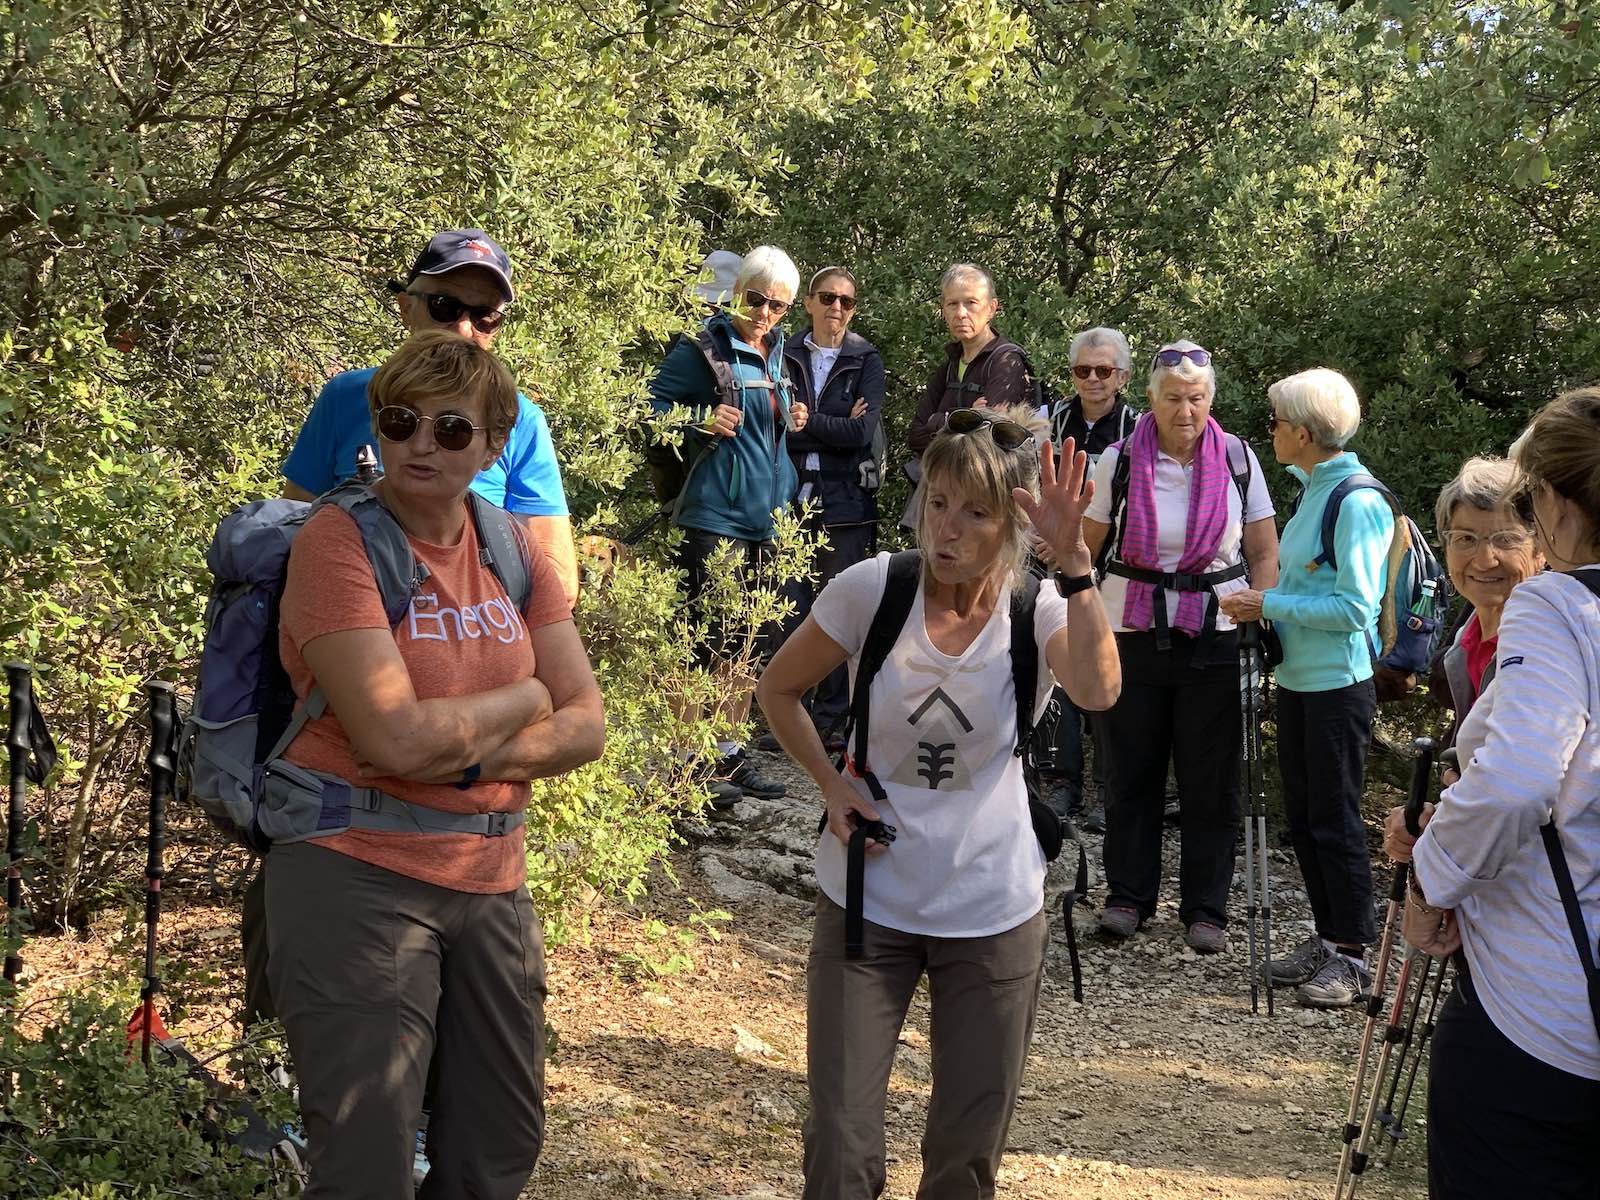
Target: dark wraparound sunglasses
1008,435
755,300
447,310
1097,372
452,431
829,299
1171,358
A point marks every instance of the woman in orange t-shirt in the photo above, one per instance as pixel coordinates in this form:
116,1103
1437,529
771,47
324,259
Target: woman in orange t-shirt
387,946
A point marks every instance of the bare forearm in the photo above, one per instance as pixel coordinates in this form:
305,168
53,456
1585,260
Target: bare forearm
792,726
443,737
568,738
1089,668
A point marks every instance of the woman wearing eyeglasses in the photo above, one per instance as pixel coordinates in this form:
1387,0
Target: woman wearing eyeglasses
739,469
958,893
838,376
1326,697
413,930
1506,875
1181,517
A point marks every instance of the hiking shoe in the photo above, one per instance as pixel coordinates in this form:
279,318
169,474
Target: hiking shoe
1338,983
1118,921
1205,938
1300,964
724,793
768,743
738,770
1094,818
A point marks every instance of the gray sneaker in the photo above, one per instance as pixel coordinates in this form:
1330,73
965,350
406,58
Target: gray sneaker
1300,964
1338,983
1205,938
1118,921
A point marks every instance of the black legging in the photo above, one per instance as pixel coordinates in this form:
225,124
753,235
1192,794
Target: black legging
1502,1123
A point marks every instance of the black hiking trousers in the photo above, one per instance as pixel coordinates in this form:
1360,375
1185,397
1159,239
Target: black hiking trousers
1502,1123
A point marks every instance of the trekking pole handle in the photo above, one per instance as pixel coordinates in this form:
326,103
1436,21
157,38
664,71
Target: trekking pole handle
367,465
1250,634
1421,775
19,685
163,722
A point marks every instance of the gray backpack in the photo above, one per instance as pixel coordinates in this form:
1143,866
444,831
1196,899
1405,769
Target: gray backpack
230,758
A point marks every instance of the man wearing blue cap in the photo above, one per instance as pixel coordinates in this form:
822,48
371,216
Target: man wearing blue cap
460,281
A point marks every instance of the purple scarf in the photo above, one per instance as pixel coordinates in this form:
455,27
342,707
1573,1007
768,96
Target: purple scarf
1207,522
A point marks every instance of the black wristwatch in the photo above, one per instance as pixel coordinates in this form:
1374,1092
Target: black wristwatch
1071,585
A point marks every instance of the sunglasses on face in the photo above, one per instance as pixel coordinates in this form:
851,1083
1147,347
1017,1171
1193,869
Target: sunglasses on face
829,299
755,300
451,431
1097,372
1008,435
447,310
1274,420
1171,358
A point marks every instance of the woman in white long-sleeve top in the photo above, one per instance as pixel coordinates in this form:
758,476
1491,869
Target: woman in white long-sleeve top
1514,1089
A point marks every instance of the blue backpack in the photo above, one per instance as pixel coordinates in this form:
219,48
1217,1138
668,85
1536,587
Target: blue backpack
230,756
1417,593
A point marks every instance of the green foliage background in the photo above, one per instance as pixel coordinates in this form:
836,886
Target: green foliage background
199,205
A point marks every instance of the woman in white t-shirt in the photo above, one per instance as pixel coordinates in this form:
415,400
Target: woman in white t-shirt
959,894
1181,515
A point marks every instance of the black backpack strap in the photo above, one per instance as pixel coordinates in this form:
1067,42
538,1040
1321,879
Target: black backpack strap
1330,512
1024,658
1575,921
502,548
1240,471
721,368
1120,473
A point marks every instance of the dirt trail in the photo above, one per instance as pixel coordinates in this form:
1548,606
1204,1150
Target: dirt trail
692,1083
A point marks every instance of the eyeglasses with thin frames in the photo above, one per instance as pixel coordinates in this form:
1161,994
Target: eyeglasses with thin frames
1504,541
451,431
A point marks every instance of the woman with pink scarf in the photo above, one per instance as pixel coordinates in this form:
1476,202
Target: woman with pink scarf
1181,515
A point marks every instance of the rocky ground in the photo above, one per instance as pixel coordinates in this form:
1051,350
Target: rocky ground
684,1077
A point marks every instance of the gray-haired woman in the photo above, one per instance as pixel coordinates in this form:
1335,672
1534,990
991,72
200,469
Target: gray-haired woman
959,895
1325,619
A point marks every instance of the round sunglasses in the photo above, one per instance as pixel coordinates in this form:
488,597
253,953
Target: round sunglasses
447,310
1099,372
451,431
1008,435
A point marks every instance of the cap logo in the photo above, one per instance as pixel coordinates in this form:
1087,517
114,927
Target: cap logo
478,248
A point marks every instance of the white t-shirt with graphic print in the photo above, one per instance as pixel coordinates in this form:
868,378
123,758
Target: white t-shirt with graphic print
965,862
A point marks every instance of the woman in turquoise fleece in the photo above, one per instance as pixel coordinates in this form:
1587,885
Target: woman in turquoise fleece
1326,618
730,375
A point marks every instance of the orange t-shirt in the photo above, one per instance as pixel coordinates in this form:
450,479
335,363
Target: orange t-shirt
462,635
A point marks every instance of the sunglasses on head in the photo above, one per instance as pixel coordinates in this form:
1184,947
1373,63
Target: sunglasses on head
1097,372
451,431
829,299
1171,358
1008,435
755,300
447,310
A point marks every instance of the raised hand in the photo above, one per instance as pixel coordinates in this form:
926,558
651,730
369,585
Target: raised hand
1064,497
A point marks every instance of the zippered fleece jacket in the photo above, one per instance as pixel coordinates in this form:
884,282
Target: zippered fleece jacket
1327,619
734,490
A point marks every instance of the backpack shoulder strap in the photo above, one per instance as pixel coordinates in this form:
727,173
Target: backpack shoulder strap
1330,511
502,548
395,568
1126,422
894,606
1121,472
1239,467
1024,657
721,369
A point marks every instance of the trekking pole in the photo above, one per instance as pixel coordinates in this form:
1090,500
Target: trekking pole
1353,1157
1249,636
1258,798
1386,1115
367,470
19,684
1397,1127
160,760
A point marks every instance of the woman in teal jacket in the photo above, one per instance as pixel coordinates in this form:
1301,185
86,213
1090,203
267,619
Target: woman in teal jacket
1326,618
730,376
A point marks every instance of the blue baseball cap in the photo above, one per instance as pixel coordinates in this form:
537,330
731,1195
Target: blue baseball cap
453,249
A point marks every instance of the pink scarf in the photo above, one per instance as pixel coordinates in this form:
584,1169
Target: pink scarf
1207,521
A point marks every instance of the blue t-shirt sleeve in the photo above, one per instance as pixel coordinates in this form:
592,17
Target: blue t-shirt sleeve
526,474
311,461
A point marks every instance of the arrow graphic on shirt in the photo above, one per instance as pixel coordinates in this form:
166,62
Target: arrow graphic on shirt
955,709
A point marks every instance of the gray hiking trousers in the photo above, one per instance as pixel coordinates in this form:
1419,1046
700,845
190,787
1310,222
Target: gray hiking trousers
984,993
370,971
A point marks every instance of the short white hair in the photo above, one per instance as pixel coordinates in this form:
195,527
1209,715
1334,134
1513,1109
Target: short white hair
1185,372
767,267
966,273
1321,401
1099,336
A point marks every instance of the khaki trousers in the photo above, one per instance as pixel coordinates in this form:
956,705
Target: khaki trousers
370,970
984,993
